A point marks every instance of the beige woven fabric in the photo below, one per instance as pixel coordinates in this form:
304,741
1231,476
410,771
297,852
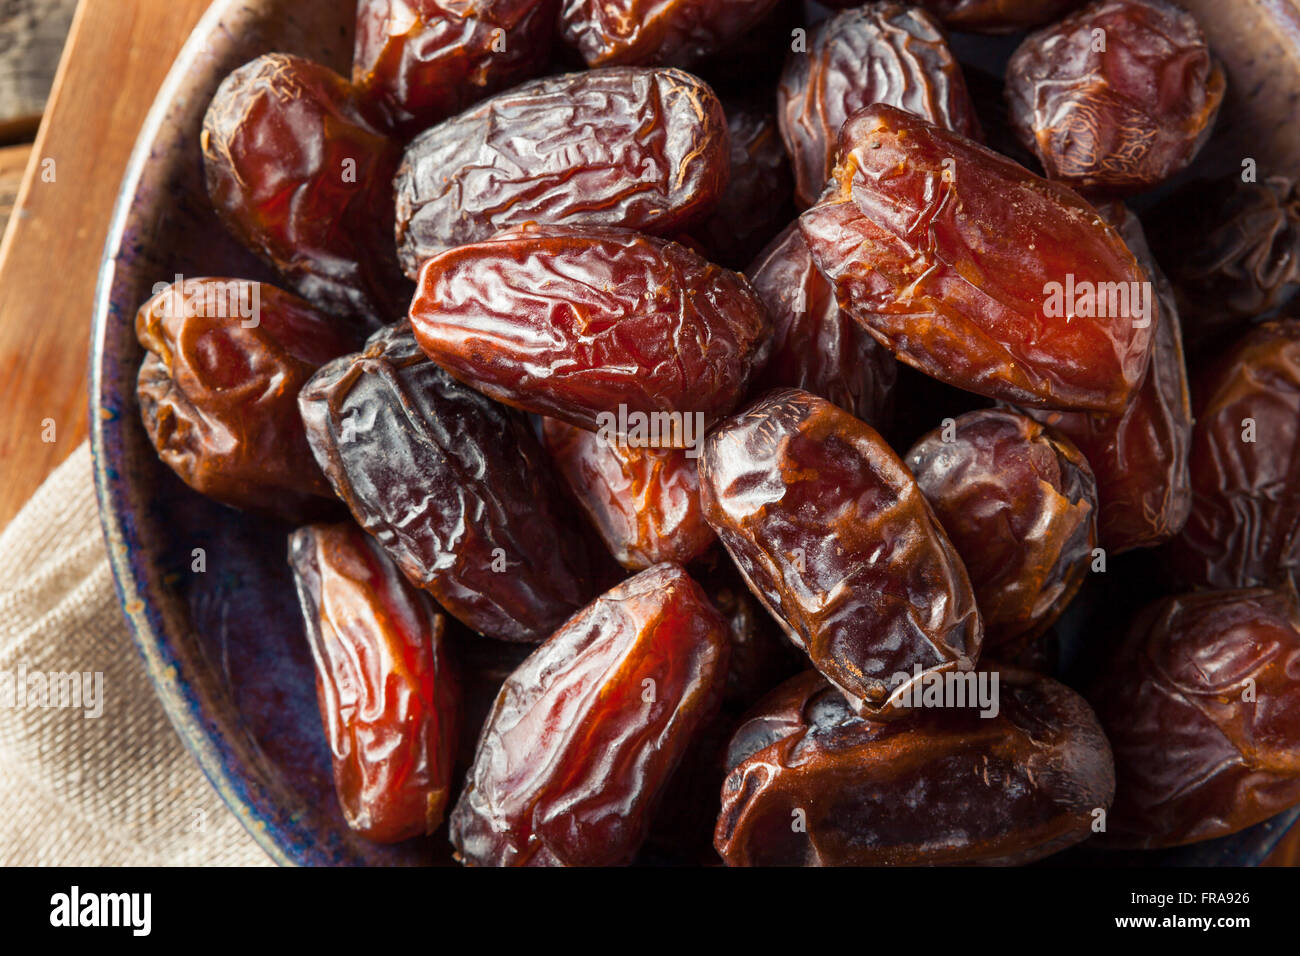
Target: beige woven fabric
117,789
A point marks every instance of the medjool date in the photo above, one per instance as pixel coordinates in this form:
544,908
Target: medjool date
296,170
218,391
580,324
977,272
877,53
636,148
835,538
423,60
586,733
812,784
1116,97
815,345
1020,506
673,32
455,487
387,697
1244,526
1202,707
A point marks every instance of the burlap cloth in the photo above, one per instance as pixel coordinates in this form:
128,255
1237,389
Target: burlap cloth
114,790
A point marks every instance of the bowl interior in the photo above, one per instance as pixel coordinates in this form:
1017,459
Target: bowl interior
225,646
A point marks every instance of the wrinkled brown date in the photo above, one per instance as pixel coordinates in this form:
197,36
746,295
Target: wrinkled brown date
423,60
645,502
1232,250
637,148
757,202
1202,708
835,538
1140,457
877,53
586,733
671,32
387,697
977,272
940,787
585,325
1120,115
1244,526
218,391
300,175
1019,504
455,487
815,345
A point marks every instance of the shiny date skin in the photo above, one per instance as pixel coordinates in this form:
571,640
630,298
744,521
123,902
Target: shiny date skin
878,53
835,538
388,699
218,392
584,736
958,259
455,487
757,202
1140,457
574,323
1202,707
1122,118
1232,250
299,173
667,32
423,60
1019,504
1244,526
940,787
644,149
644,502
816,346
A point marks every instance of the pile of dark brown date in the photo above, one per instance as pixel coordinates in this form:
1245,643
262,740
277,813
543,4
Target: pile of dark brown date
650,559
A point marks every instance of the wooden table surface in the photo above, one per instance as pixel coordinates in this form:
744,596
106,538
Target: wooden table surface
116,57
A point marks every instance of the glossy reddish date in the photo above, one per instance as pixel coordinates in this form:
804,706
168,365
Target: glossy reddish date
218,391
585,734
298,172
635,148
578,323
387,697
835,538
1019,504
940,787
977,272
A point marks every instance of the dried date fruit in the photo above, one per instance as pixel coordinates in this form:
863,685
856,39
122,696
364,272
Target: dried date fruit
977,272
756,203
602,328
424,60
835,538
299,174
877,53
943,786
815,345
1244,526
218,391
638,148
994,16
670,32
1232,250
1202,707
645,502
1019,504
1140,457
1118,96
586,733
387,696
455,487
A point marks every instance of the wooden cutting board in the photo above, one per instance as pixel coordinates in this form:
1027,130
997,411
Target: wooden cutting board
116,57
